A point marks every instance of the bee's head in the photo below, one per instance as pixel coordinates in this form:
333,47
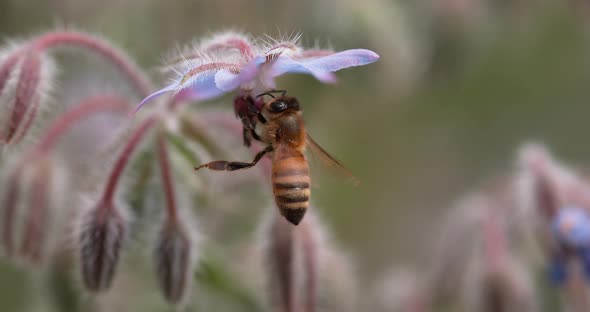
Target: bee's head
281,105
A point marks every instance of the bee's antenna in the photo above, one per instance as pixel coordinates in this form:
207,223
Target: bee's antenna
265,93
269,93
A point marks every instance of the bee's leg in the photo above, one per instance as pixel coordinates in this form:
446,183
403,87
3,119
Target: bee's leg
261,118
254,111
222,165
247,130
255,135
247,137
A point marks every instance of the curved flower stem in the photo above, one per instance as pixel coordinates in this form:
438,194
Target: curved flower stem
118,58
164,162
121,162
85,108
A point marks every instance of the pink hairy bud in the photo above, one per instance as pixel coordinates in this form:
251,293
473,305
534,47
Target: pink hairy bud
25,75
27,210
101,240
173,262
294,258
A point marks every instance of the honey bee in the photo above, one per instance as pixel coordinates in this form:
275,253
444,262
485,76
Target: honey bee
283,130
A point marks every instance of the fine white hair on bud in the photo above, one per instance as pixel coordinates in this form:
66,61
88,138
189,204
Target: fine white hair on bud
507,287
101,238
33,121
543,184
399,290
228,43
175,247
174,261
286,45
9,73
284,275
220,47
31,209
297,260
26,76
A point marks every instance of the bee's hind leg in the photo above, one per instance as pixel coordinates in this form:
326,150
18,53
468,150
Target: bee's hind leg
223,165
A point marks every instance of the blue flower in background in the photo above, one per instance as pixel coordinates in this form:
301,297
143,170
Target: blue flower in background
571,226
571,229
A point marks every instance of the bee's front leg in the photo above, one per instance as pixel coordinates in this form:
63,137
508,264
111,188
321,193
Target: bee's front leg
223,165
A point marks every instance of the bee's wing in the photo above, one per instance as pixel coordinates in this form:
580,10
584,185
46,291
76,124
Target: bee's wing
329,160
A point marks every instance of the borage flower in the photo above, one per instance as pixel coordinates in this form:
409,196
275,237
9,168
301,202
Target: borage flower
571,229
231,61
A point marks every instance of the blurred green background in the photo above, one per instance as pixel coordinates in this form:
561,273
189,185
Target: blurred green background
460,85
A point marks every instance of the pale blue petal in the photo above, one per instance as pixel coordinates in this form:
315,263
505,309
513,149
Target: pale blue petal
156,94
204,88
340,60
285,64
199,88
323,67
228,81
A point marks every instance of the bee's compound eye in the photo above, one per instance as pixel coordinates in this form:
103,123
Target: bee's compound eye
278,106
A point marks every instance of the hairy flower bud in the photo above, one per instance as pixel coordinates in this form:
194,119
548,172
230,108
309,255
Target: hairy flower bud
400,290
174,261
31,208
296,257
558,198
25,78
281,256
174,249
101,238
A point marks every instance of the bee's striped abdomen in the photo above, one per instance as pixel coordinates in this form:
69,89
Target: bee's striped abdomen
290,183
